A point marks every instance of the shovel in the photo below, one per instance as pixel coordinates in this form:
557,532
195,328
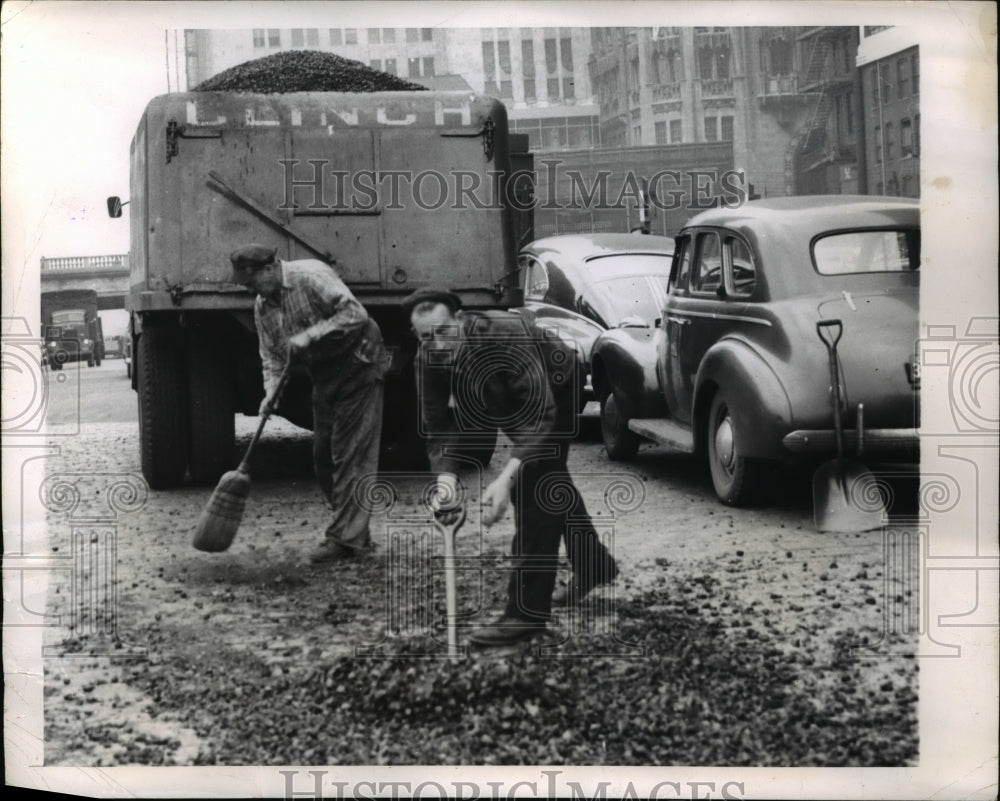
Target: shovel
448,528
844,491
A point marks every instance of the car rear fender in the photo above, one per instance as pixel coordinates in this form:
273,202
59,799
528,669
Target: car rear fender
624,362
761,409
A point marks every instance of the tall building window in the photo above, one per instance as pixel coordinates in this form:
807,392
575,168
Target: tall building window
273,37
412,35
916,135
529,89
878,145
312,37
778,59
413,67
902,77
886,85
727,129
915,72
875,97
908,186
258,37
390,66
849,103
528,58
713,54
711,129
336,36
350,36
568,91
427,34
374,36
552,88
376,64
894,186
388,35
660,128
551,57
566,50
428,66
676,137
298,37
906,137
890,141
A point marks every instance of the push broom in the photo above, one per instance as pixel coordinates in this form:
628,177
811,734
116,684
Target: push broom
220,519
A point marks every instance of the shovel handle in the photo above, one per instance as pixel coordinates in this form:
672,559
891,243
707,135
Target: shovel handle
451,595
830,332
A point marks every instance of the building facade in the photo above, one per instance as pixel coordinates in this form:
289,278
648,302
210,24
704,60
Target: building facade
889,67
540,73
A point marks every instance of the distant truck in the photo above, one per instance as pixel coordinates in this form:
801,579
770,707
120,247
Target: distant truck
71,328
396,190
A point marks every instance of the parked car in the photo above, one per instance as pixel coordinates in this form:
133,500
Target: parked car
584,284
736,370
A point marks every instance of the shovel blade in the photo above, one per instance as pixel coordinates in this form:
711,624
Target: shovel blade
846,498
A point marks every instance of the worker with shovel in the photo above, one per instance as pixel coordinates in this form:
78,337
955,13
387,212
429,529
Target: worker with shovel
495,369
305,312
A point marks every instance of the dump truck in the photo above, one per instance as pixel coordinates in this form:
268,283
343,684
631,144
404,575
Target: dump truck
71,328
394,190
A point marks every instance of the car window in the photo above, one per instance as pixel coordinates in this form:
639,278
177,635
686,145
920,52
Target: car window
680,279
560,291
743,274
707,266
867,252
608,302
536,280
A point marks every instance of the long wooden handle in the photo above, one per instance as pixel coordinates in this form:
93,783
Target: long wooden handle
263,418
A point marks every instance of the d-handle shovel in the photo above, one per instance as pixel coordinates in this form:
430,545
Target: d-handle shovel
448,527
846,497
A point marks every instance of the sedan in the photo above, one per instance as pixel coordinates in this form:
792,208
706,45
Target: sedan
738,370
585,284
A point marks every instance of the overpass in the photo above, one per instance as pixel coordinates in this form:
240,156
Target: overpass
107,274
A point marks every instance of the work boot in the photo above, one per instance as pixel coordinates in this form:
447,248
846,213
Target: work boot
573,593
330,551
506,631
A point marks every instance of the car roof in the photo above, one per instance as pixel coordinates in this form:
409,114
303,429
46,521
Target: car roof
814,213
781,231
583,246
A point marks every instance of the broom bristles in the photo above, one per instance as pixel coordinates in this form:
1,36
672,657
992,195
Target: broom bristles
220,519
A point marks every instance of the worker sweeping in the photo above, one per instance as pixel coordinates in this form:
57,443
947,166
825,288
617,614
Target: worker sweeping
305,312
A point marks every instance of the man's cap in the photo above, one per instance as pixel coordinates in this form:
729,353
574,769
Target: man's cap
252,257
432,295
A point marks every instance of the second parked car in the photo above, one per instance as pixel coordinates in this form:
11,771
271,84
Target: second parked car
584,284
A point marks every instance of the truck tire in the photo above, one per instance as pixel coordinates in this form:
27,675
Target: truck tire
211,409
162,390
734,476
621,443
97,359
90,360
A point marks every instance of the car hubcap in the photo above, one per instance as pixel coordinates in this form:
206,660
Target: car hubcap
724,445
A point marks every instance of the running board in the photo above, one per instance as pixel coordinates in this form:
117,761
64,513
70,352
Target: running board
664,432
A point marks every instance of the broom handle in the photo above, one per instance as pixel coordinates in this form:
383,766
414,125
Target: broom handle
244,465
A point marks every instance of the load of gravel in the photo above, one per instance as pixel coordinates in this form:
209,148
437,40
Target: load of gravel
304,71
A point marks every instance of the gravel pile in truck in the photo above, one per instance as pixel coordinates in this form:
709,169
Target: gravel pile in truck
304,71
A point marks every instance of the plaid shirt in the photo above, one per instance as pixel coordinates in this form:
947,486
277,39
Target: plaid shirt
312,298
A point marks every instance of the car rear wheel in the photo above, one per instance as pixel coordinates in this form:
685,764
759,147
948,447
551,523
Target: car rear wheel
621,443
733,474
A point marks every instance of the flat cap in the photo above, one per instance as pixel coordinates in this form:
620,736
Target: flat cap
250,257
432,295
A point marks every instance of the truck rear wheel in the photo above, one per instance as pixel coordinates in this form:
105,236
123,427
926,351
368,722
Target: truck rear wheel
162,389
211,408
